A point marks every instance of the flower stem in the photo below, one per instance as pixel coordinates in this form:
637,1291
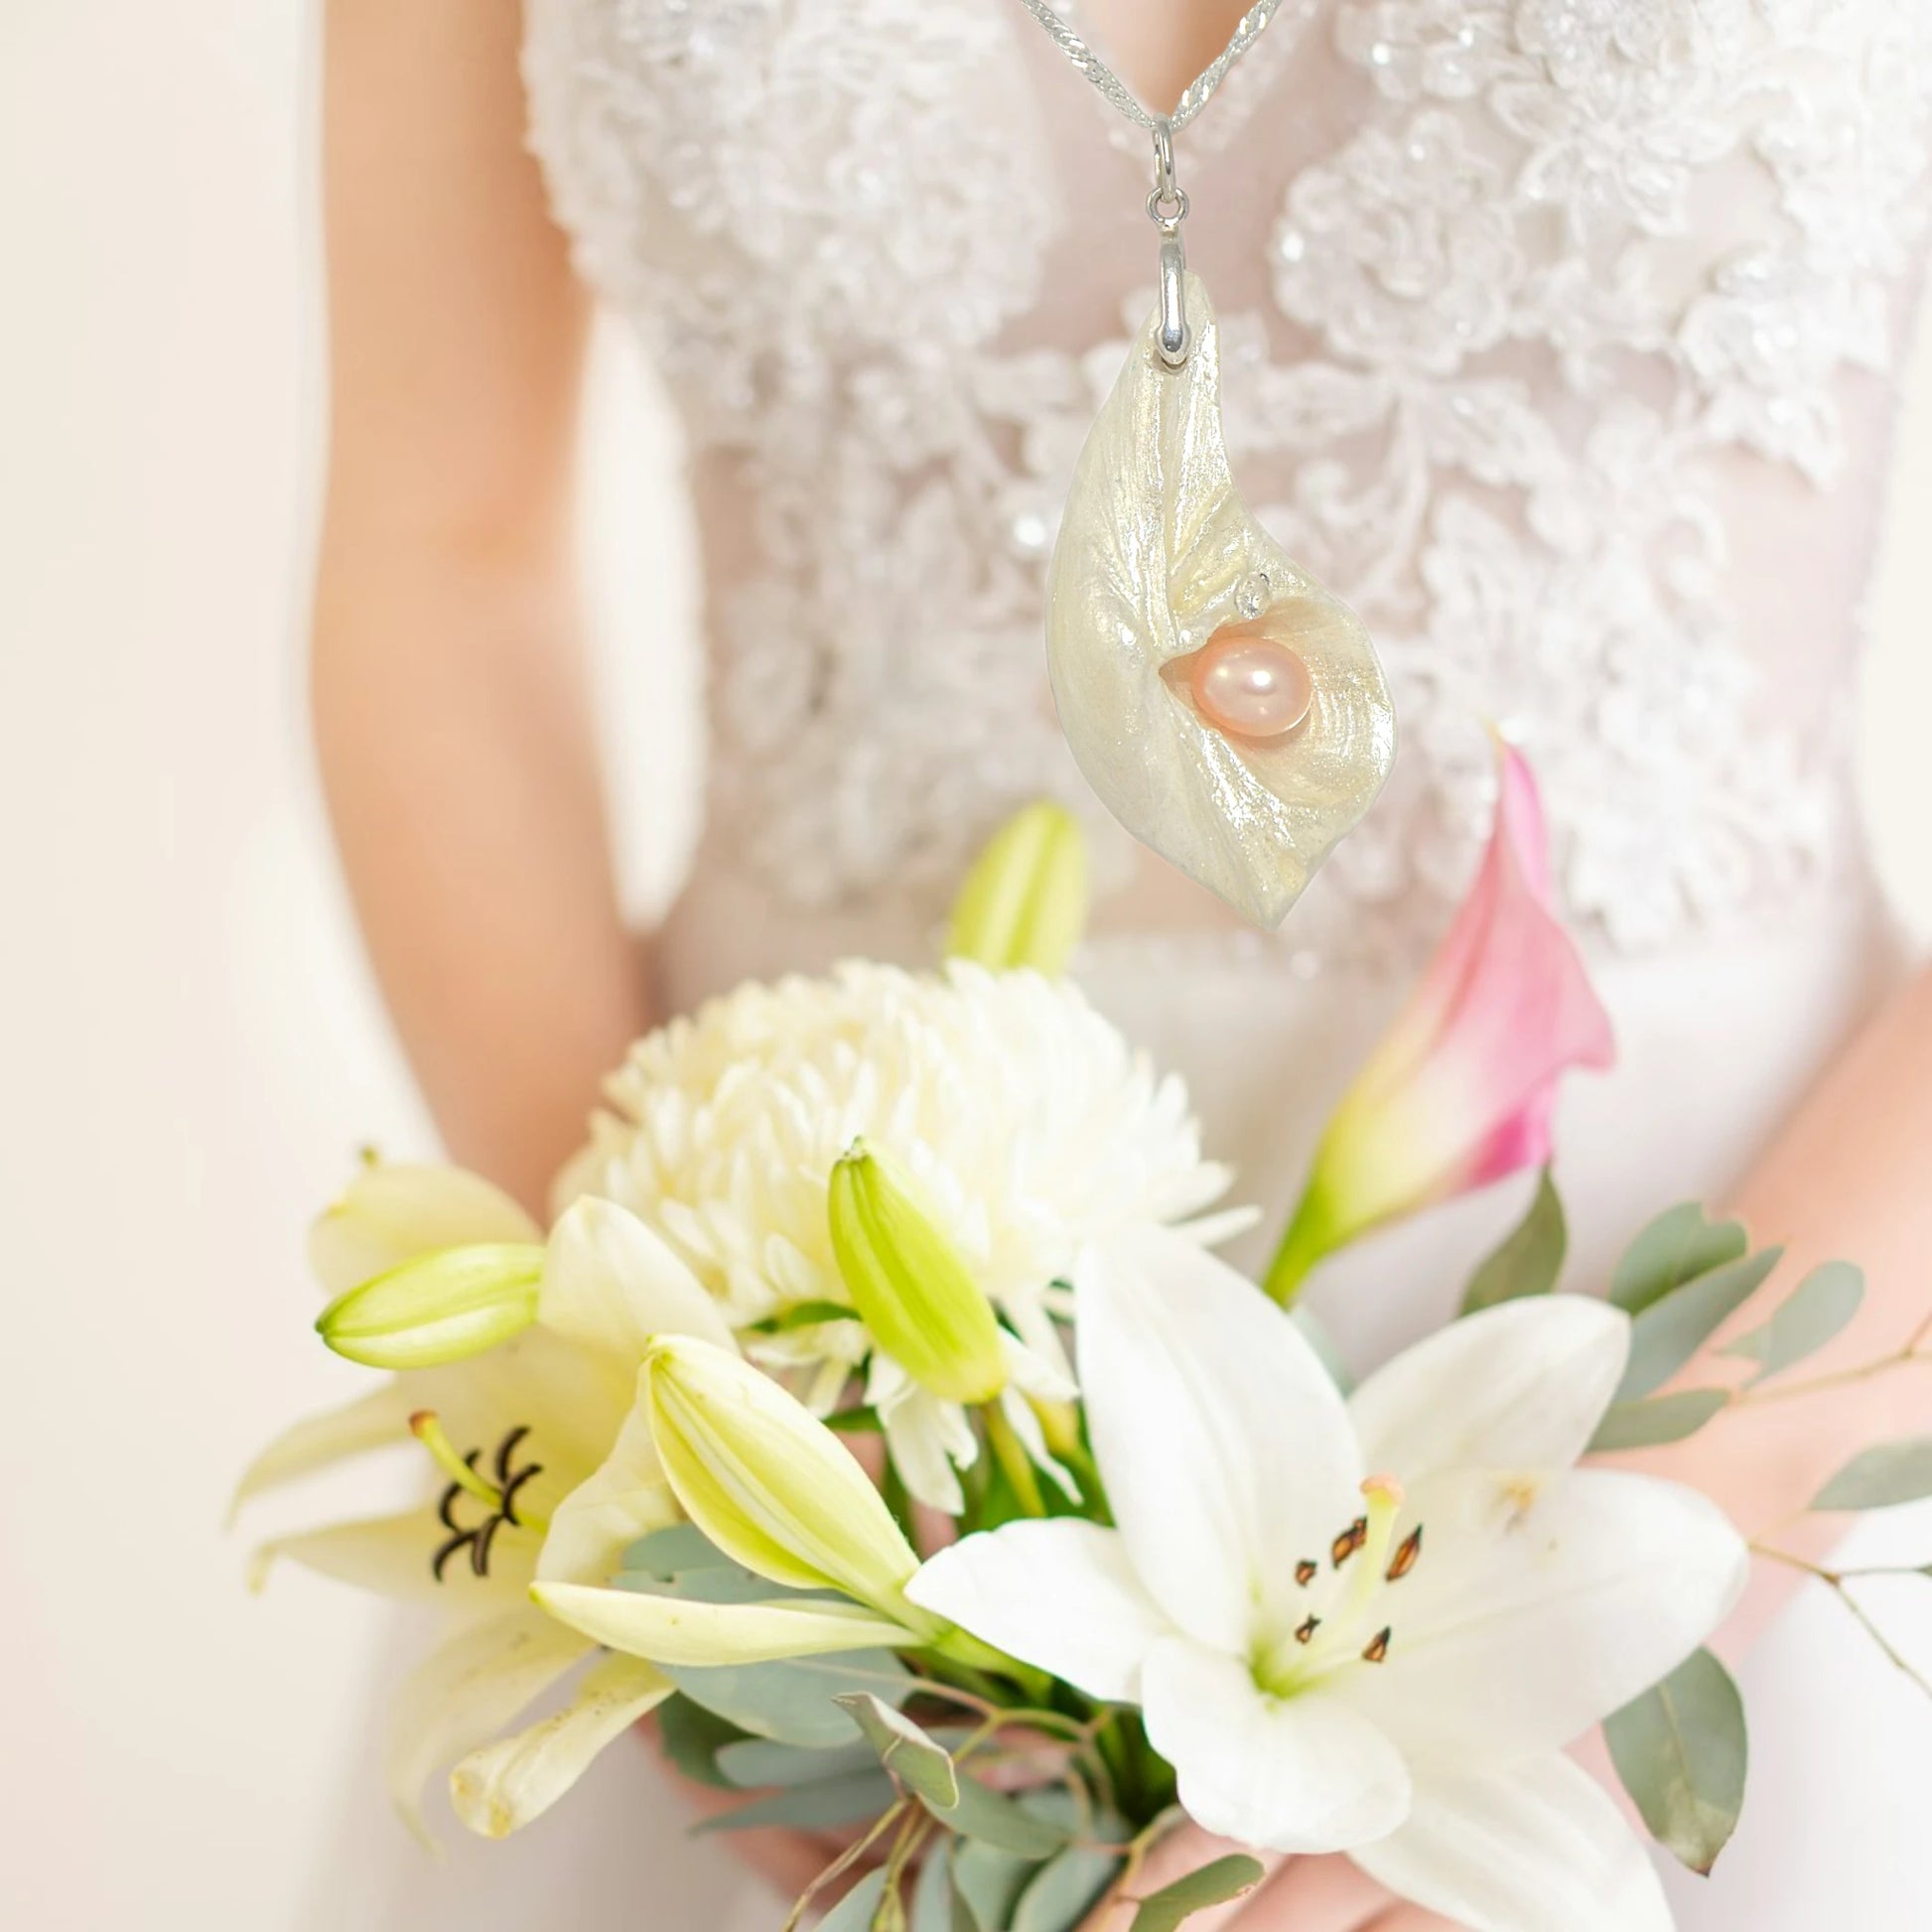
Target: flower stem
1308,1239
1836,1582
1015,1463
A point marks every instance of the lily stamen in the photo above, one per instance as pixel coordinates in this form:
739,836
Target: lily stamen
1407,1555
1378,1647
462,1470
466,1480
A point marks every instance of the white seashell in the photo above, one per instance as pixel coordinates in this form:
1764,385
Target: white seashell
1157,553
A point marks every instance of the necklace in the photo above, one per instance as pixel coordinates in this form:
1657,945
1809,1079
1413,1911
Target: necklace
1226,708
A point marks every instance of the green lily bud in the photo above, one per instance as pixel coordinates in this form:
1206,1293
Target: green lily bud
768,1482
440,1307
911,1285
1025,901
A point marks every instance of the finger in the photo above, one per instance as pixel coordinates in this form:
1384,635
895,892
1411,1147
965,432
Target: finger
1185,1848
1328,1894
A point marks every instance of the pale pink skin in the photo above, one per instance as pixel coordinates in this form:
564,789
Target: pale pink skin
1462,1088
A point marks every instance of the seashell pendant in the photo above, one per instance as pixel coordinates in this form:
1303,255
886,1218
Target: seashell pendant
1227,710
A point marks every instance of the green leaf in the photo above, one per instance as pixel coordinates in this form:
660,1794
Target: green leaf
696,1740
988,1881
857,1911
1681,1751
1205,1885
1065,1889
981,1812
855,1799
1820,1307
1676,1247
936,1907
757,1763
683,1562
1671,1330
791,1702
801,1315
1894,1472
1661,1419
918,1760
1529,1258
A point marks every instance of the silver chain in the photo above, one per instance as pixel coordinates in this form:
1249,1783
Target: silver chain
1200,91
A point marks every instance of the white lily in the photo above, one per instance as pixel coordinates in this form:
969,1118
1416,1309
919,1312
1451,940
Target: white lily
564,1479
1395,1677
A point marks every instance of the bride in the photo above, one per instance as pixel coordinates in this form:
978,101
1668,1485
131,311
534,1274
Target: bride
1556,341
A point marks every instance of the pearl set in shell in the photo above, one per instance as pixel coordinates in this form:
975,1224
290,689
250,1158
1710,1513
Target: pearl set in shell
1248,684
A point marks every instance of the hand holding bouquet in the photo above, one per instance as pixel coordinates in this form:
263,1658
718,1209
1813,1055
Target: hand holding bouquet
1124,1549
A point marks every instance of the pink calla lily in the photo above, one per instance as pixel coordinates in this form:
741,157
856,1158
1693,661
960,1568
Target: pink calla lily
1461,1089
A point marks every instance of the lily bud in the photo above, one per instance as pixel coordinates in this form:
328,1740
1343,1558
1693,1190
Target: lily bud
766,1481
1025,901
442,1308
1461,1090
389,1214
913,1288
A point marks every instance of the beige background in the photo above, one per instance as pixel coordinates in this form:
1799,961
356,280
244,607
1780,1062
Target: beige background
189,1046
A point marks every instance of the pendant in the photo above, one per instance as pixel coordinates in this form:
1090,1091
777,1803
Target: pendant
1227,710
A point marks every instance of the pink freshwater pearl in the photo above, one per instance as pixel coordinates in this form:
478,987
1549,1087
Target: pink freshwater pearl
1249,686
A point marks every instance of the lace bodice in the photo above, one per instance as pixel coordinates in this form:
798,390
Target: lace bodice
1555,340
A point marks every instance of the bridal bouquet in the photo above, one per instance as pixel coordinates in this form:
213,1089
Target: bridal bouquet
878,1418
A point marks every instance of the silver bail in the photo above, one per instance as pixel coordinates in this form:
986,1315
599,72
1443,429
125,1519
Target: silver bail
1167,206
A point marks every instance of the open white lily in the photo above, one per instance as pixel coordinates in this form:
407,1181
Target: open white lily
549,1476
1370,1626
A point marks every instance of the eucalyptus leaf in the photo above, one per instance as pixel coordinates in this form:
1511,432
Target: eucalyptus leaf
1681,1751
682,1562
1205,1885
1819,1309
988,1881
857,1911
1676,1247
936,1907
757,1763
855,1799
1660,1419
1891,1473
1530,1257
921,1764
696,1740
1065,1889
981,1812
792,1700
1671,1330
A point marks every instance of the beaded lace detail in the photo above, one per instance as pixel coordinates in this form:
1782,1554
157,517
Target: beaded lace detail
1554,333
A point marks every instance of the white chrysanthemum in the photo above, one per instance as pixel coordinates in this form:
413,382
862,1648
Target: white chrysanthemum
1025,1120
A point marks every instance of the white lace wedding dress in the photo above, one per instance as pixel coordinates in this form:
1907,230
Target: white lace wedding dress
1556,340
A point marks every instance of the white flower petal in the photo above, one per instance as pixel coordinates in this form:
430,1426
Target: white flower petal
916,1440
1519,1386
1303,1773
378,1419
675,1630
629,1497
1224,1446
1061,1596
391,1556
388,1215
1025,1423
1539,1846
465,1691
1540,1606
613,1285
501,1788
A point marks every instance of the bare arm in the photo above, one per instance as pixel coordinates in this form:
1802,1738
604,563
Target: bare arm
1850,1176
451,713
